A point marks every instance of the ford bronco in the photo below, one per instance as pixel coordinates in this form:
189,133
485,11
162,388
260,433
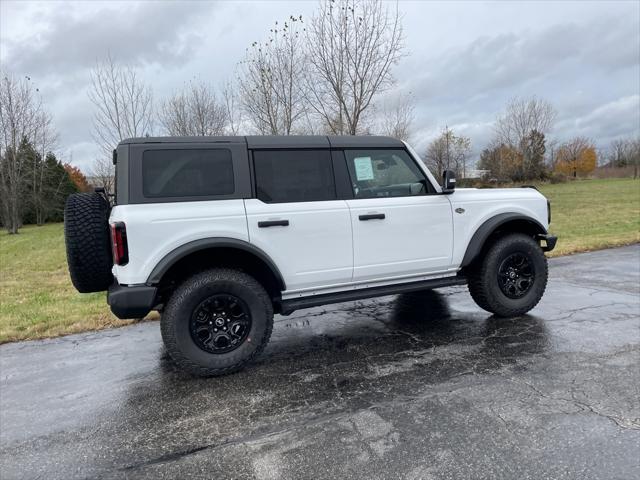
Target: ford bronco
220,233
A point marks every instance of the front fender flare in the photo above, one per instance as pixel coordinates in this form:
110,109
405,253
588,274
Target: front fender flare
488,227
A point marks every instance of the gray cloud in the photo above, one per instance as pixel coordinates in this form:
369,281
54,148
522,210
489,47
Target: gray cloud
465,60
589,71
513,60
620,116
138,33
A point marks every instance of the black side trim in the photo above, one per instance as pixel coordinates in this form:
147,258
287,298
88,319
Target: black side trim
172,257
131,302
490,226
344,189
293,304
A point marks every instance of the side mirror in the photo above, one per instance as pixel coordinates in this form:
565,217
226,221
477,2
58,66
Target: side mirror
448,181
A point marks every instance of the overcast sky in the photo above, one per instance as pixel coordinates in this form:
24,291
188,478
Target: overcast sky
464,59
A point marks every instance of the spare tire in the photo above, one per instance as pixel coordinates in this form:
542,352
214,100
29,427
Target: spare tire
86,233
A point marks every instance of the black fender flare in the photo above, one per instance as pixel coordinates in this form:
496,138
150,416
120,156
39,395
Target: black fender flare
491,225
182,251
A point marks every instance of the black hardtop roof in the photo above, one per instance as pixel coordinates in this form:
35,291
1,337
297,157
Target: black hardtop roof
282,141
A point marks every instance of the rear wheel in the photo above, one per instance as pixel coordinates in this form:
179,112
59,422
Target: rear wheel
512,277
216,322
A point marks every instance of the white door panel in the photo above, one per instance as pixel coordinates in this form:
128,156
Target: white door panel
314,249
415,236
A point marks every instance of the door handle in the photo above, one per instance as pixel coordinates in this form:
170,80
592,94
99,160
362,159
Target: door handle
273,223
372,216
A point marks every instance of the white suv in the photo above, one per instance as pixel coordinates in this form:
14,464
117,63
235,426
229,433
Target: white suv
218,233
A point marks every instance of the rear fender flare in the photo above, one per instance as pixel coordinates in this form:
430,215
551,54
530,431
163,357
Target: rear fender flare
182,251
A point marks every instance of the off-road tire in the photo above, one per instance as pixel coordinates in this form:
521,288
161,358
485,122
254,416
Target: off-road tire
86,233
483,277
176,317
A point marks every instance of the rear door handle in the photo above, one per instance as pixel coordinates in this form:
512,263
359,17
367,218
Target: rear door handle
273,223
372,216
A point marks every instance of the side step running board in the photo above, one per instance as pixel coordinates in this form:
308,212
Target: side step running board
292,304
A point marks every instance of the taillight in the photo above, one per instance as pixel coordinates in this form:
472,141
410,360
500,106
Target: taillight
119,243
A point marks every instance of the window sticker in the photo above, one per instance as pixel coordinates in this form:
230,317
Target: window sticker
364,168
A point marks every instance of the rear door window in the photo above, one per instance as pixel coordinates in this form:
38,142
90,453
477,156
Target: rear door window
187,173
294,175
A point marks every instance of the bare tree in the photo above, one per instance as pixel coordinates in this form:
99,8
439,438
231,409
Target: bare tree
634,155
101,173
625,152
232,109
397,117
449,152
514,128
270,82
45,139
20,118
520,118
123,105
617,154
196,111
351,47
551,153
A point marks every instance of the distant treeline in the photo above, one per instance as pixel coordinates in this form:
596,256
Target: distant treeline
332,73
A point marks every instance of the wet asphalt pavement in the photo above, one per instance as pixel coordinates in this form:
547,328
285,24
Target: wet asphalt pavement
420,386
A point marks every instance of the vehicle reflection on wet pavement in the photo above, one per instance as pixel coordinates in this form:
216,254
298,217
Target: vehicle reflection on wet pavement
421,385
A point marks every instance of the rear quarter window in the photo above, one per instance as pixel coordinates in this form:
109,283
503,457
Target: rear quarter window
187,173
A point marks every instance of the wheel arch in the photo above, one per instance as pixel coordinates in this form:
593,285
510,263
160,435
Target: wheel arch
502,223
212,252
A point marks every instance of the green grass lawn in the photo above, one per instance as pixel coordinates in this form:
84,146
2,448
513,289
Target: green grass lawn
37,299
594,214
36,296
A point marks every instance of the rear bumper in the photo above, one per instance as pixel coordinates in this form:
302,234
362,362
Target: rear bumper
549,242
131,301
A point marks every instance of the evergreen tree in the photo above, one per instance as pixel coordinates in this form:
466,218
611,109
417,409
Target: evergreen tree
46,186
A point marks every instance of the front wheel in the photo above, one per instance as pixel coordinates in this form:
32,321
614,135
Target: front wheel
216,322
511,279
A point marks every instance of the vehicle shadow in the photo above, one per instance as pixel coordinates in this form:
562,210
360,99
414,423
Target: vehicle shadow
357,340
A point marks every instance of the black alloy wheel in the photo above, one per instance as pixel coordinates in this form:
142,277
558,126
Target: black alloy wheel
220,323
516,275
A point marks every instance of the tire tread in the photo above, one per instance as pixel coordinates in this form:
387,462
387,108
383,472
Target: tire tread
88,246
169,333
481,286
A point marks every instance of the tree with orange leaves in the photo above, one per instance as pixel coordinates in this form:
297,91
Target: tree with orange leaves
78,178
577,157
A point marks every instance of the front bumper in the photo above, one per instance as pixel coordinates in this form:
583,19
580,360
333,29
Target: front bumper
131,301
549,242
